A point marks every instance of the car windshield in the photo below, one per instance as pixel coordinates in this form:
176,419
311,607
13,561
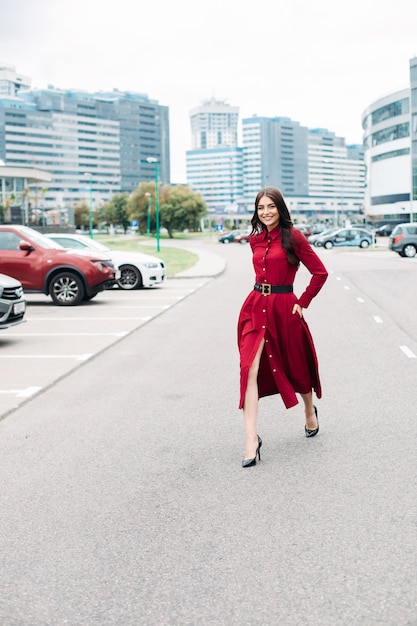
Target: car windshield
38,238
329,232
96,245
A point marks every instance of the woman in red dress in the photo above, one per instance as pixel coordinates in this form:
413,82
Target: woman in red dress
277,353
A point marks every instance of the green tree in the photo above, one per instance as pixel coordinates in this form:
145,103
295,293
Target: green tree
82,213
179,207
115,212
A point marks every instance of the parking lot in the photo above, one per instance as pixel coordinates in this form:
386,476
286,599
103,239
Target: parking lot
55,340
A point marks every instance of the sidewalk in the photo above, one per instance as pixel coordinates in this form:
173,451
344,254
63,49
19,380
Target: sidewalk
208,264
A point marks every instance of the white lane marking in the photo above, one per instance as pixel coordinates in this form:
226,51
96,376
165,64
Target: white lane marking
78,357
360,299
378,320
347,287
338,278
120,334
22,393
87,319
408,352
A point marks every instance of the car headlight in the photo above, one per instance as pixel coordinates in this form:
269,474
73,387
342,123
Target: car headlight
102,265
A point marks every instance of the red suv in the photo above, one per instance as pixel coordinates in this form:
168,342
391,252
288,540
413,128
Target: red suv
43,266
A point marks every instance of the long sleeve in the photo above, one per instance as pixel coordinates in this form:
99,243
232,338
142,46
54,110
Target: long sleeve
314,265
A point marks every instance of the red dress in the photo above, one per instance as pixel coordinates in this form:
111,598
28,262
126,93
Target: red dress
289,361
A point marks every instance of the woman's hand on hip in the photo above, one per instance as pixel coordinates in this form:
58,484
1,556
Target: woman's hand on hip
297,309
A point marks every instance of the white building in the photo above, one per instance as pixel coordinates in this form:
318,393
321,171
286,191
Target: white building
214,124
386,124
11,82
217,175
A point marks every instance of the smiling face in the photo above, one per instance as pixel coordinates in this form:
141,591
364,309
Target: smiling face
268,212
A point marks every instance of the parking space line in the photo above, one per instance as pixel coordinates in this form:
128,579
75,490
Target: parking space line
21,393
377,319
78,357
87,319
122,333
408,352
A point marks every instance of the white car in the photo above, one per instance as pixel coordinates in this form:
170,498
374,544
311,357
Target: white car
136,269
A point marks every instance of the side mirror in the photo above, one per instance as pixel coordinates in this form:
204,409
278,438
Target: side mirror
24,245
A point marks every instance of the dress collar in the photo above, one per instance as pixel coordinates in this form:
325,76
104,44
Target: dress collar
271,234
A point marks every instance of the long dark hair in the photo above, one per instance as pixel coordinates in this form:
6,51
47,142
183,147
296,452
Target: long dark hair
285,222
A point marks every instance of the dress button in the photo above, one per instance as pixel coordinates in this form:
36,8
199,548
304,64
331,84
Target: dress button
263,326
274,370
270,356
263,310
266,340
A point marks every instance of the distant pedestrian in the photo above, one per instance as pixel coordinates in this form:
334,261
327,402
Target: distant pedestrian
277,353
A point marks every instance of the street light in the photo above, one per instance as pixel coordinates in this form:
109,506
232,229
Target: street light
148,228
156,163
91,204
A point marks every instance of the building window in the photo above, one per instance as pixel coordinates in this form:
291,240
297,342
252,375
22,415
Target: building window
390,110
391,134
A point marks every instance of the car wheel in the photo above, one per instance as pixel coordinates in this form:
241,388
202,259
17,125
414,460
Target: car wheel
66,289
243,241
226,241
364,244
409,250
130,277
328,245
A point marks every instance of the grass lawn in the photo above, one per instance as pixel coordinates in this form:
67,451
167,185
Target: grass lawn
175,259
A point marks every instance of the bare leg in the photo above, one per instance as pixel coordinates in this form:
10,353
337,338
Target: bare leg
311,421
250,406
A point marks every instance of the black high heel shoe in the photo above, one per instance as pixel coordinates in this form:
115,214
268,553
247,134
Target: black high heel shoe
313,433
252,462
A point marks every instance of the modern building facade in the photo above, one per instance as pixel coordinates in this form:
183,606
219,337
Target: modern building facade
387,143
274,154
214,124
214,165
317,172
14,185
93,144
217,174
11,82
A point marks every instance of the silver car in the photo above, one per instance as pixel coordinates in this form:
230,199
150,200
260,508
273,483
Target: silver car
12,302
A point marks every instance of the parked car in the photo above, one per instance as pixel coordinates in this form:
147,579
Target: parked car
43,266
345,237
12,302
231,235
137,270
385,230
313,238
403,239
242,238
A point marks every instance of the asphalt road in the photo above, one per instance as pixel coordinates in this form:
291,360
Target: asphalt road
123,498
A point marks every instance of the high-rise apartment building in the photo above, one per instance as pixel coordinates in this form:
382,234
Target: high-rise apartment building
11,82
336,172
214,124
94,144
216,174
315,170
274,154
214,165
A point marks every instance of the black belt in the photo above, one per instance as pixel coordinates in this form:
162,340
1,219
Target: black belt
267,288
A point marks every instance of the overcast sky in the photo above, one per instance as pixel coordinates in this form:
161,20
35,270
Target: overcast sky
319,62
